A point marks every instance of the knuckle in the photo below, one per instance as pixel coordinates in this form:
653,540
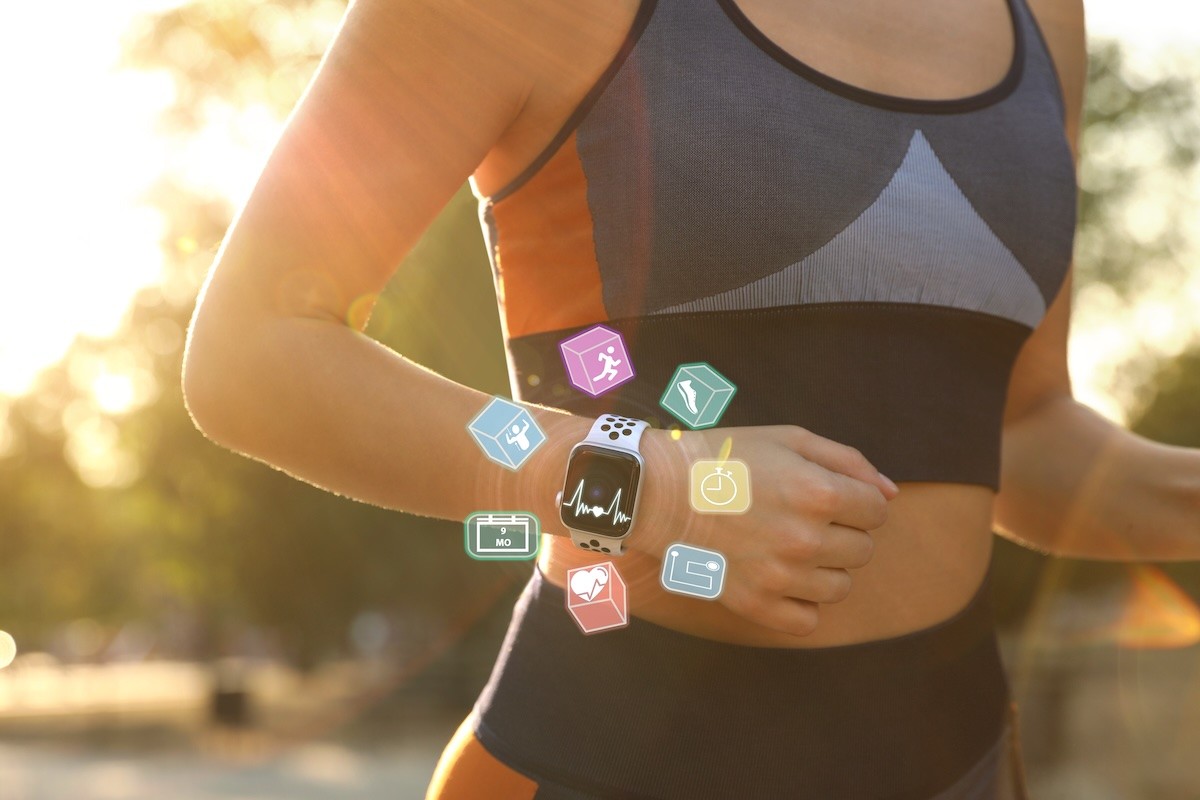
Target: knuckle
753,605
868,551
839,586
772,578
821,495
785,435
791,491
879,510
855,457
795,437
806,619
801,544
796,433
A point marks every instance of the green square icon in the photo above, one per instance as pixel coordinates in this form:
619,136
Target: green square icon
502,535
697,395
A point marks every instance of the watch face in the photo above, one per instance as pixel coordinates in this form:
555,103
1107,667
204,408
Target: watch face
600,491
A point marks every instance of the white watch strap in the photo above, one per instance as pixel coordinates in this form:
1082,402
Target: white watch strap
621,433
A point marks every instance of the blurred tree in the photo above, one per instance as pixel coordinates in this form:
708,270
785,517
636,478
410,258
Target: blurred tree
228,538
1169,408
1139,144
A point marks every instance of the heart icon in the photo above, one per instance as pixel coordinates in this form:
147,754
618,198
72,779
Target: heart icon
587,583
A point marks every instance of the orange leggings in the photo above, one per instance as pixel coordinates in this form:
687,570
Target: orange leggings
466,771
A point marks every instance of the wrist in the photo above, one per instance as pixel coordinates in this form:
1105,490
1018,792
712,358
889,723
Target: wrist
564,431
662,504
663,508
533,488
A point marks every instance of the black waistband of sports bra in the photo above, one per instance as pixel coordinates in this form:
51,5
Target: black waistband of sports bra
650,712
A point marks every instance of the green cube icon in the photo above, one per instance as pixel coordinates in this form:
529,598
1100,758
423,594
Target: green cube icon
697,395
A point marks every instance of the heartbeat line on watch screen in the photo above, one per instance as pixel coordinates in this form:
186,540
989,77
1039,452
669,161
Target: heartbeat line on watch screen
582,508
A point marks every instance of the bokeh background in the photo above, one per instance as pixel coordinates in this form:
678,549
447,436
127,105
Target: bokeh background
189,623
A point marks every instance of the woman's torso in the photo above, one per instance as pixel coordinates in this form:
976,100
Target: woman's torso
934,549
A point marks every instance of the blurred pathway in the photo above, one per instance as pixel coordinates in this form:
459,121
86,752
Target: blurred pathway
308,772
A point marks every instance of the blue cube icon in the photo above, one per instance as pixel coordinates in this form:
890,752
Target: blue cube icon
697,395
506,432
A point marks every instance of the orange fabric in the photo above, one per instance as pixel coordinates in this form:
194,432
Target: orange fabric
548,271
466,771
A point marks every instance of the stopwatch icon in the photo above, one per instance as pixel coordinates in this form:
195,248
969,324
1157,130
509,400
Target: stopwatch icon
720,487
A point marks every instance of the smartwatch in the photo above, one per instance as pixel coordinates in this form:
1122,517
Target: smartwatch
600,492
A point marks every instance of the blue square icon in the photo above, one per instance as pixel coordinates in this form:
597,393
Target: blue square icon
506,432
693,571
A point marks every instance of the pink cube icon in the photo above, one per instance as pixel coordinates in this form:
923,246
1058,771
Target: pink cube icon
597,598
596,360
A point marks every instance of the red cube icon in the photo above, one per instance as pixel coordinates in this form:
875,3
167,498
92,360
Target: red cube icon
597,598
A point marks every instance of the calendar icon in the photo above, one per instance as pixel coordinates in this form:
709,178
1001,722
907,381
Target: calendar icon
502,535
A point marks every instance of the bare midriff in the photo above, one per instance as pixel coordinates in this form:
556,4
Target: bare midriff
928,561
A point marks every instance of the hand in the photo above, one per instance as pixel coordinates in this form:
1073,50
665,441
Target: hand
813,501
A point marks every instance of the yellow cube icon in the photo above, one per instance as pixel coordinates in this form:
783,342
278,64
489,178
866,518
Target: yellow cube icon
720,487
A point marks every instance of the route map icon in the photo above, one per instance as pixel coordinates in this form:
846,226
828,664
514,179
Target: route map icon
693,571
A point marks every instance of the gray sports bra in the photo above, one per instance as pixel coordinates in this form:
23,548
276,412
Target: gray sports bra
863,265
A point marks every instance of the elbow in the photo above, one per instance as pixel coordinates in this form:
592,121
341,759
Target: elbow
207,375
200,399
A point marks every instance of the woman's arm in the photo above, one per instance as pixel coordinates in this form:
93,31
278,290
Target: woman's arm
1073,483
405,105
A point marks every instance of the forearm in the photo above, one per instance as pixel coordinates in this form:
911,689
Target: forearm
333,407
1075,484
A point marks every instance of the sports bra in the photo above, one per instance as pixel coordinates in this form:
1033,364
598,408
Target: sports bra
863,265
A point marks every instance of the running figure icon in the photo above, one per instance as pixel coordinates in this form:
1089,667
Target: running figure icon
609,372
596,361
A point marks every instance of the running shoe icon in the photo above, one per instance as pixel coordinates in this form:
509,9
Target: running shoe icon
689,395
697,395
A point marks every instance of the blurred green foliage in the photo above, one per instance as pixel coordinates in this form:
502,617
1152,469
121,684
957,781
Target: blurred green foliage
1139,144
182,526
1169,409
